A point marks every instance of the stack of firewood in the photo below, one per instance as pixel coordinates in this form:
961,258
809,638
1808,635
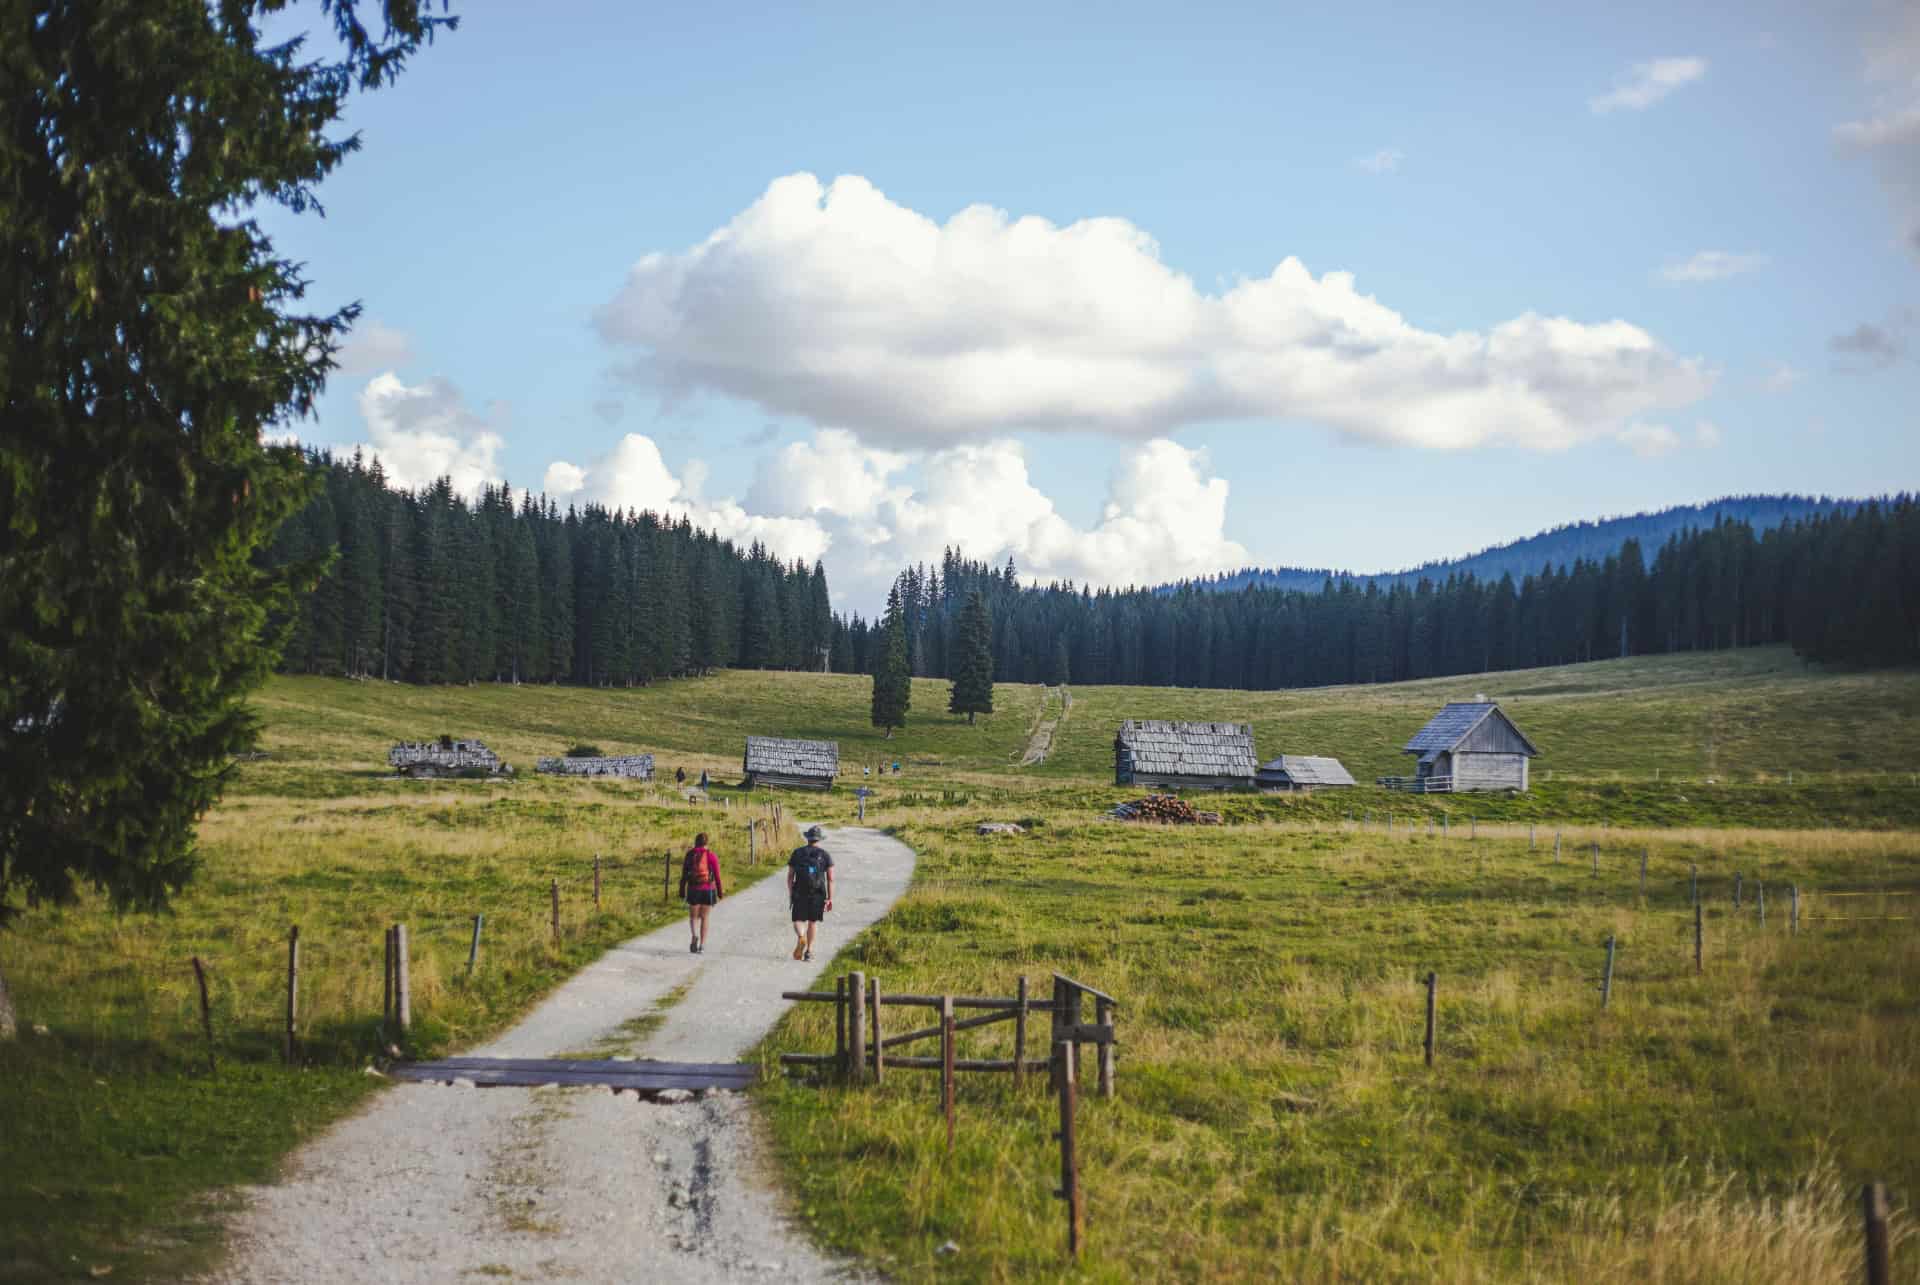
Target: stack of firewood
1166,808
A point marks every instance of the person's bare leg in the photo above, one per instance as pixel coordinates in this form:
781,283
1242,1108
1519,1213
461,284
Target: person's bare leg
705,911
799,939
693,923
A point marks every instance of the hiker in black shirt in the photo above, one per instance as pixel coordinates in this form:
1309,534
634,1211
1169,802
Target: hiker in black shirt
809,889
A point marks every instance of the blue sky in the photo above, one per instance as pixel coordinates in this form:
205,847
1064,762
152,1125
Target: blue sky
1101,372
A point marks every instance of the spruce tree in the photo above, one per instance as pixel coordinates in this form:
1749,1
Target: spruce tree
892,683
150,334
972,690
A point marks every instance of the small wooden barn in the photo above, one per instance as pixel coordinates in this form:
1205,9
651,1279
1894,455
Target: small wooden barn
790,764
1470,745
1194,756
1303,772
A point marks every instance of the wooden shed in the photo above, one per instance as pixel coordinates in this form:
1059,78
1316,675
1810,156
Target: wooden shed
1303,772
1196,756
791,764
1470,745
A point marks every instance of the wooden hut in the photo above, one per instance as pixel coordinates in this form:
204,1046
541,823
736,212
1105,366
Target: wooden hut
790,764
1303,772
1469,745
1195,756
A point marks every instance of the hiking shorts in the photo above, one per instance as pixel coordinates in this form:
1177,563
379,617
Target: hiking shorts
703,896
809,910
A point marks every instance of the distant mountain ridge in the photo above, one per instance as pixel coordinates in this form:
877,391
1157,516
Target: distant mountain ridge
1561,545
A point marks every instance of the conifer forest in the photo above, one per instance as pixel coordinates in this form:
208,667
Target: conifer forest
426,586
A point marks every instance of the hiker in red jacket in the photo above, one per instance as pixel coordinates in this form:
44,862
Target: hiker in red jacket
700,885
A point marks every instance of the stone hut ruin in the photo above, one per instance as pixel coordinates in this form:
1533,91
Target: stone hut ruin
445,757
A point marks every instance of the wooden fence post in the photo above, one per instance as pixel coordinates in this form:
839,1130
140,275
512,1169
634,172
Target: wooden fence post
1643,872
206,1010
1873,1199
1736,890
840,1024
1760,900
596,883
1699,934
1530,843
750,852
1433,980
1596,858
402,980
1103,1013
554,892
1693,882
1556,845
946,1063
1793,910
388,991
1053,1032
1020,1036
293,989
473,951
879,1053
1606,978
857,1024
1063,1057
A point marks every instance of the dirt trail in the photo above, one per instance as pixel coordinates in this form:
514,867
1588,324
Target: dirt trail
431,1183
1041,742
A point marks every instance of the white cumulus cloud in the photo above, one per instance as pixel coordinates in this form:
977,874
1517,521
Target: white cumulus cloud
1650,441
1384,161
1708,434
373,346
1646,83
835,304
1711,265
1164,516
1781,377
422,432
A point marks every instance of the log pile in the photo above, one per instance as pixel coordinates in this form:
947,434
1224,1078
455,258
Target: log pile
1168,809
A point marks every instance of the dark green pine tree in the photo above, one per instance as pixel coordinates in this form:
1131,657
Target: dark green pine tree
972,689
892,683
150,334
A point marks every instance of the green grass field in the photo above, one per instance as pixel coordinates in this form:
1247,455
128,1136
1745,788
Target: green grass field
1700,1130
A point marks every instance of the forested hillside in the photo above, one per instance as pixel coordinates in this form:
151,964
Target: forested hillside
1840,587
426,587
1562,545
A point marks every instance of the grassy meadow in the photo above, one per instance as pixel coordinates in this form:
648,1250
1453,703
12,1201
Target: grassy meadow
1272,1108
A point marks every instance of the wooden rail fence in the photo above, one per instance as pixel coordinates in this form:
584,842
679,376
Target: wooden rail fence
862,1050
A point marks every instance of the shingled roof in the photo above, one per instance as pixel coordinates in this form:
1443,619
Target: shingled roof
1160,747
1308,769
784,757
1454,723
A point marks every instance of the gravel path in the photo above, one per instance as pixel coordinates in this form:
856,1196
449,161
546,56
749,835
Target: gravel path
431,1183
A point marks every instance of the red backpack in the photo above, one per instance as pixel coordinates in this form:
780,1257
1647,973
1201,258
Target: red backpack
690,873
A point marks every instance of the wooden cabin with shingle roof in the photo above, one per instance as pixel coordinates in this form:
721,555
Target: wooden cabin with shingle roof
1195,756
1304,772
789,764
1470,745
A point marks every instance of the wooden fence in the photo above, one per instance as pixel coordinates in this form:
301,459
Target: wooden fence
861,1047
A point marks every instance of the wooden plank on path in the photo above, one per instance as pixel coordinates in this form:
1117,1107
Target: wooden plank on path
533,1072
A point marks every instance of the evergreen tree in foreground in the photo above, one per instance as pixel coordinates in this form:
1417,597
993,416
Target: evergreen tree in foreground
892,684
149,334
972,691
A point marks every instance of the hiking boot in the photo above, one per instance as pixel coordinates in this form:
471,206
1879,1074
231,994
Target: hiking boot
808,955
693,946
799,949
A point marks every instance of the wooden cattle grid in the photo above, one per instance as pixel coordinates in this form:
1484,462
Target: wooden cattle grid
642,1077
